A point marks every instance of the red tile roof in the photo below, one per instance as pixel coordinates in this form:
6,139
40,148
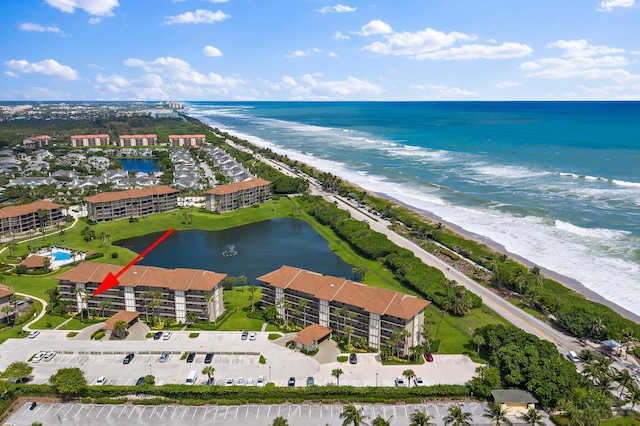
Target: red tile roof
33,261
107,197
125,316
137,136
239,186
311,334
185,136
15,211
146,276
376,300
5,291
89,136
39,138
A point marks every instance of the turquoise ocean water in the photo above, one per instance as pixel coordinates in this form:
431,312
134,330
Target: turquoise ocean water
557,183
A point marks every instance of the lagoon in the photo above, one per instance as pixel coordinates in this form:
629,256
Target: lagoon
144,165
261,248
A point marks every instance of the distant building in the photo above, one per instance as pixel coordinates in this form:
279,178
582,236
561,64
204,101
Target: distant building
375,312
37,142
186,140
138,140
227,198
18,219
515,401
90,140
129,318
181,290
108,206
5,300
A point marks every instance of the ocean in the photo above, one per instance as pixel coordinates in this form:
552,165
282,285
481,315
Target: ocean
557,183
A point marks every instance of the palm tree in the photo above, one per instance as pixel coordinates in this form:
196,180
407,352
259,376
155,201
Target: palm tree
13,246
420,418
532,417
497,414
119,328
353,416
598,327
623,378
7,310
252,290
337,372
208,370
191,317
409,374
380,421
104,304
302,304
348,331
478,340
457,417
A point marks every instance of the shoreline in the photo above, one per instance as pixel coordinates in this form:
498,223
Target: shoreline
568,282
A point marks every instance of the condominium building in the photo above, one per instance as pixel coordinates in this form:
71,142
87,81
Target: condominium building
90,140
227,198
5,300
186,140
39,214
167,293
306,298
138,140
37,142
108,206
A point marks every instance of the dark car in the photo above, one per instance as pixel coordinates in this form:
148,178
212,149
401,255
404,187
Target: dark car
353,359
33,405
428,356
127,359
157,336
139,381
292,381
208,358
191,356
245,334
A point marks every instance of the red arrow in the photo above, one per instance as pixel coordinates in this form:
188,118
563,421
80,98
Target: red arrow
112,280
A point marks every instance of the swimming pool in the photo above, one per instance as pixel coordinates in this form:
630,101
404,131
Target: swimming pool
60,255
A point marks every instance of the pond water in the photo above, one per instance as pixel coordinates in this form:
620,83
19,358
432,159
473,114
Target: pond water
260,248
144,165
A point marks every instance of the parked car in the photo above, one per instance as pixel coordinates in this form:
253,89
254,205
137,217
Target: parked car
291,382
101,380
240,381
33,405
418,381
252,335
127,359
428,357
191,356
166,335
164,356
157,336
250,382
49,356
33,334
244,335
261,381
140,380
38,357
208,358
353,359
399,382
229,382
310,381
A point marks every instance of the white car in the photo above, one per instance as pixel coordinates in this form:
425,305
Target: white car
260,381
418,381
250,382
400,382
252,335
229,382
33,334
49,356
166,335
240,381
38,357
101,380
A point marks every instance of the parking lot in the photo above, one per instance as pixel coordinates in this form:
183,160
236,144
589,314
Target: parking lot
232,358
244,415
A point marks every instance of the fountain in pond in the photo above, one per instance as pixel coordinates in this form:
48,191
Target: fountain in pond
230,250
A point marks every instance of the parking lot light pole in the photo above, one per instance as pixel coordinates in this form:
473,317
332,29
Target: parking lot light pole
269,373
376,379
150,370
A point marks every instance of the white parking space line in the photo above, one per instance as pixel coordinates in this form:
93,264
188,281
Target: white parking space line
194,413
50,407
92,407
268,411
205,412
134,409
67,413
59,409
153,411
236,416
184,412
174,412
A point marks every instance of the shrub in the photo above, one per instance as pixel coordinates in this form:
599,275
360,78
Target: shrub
97,336
72,334
107,400
114,255
193,335
274,336
262,360
343,358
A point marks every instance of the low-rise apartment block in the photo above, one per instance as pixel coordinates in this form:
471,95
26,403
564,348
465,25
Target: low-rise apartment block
138,140
186,140
39,214
140,202
90,140
377,314
37,142
5,300
152,291
227,198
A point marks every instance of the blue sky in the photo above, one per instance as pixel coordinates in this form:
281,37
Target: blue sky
319,49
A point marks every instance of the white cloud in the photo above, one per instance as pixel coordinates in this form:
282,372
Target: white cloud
211,51
375,27
178,70
617,92
413,44
444,91
339,36
200,16
580,48
507,84
333,55
339,8
479,51
308,87
94,21
609,5
11,74
48,67
302,53
218,1
92,7
32,26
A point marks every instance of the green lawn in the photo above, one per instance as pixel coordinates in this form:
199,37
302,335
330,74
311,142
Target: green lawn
239,320
48,322
623,421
